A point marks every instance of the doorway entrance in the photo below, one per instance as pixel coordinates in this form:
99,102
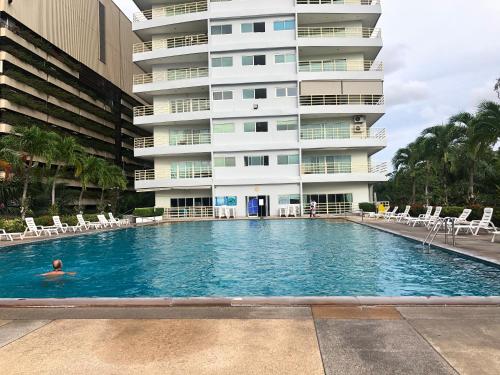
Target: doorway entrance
258,206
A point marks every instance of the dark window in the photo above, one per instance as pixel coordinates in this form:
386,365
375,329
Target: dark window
260,93
102,33
266,160
259,60
259,27
261,127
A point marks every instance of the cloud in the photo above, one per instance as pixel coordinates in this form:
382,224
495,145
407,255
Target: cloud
399,93
394,58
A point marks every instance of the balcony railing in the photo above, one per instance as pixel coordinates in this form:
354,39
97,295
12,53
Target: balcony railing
174,174
146,142
175,140
342,167
340,66
339,32
184,212
332,133
173,106
170,75
357,99
338,2
171,10
331,208
180,41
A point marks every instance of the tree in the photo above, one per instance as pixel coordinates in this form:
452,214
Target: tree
67,153
87,171
497,87
32,145
407,160
110,177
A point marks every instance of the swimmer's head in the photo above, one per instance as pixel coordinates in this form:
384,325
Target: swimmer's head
57,264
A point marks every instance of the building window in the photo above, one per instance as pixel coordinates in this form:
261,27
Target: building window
283,125
190,202
226,201
255,27
251,161
256,127
254,93
253,60
289,199
224,128
284,25
222,29
285,58
222,95
225,161
288,159
286,91
102,33
222,62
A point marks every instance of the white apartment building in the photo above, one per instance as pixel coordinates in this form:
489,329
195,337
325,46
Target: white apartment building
259,101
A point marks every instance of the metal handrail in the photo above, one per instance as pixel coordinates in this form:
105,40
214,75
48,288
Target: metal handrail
338,2
330,208
191,211
171,10
176,42
332,133
340,167
340,66
338,32
357,99
170,75
173,174
173,106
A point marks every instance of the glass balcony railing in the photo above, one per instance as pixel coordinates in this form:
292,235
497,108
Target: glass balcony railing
356,99
171,10
340,66
339,32
167,43
173,106
171,75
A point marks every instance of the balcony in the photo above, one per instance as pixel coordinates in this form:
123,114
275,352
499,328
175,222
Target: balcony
167,43
372,140
183,144
343,172
338,100
170,75
172,81
339,32
172,111
194,176
340,69
170,11
338,2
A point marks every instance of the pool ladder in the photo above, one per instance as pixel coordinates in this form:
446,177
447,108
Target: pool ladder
447,223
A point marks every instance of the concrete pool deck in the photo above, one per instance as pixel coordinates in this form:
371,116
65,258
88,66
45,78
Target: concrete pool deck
251,340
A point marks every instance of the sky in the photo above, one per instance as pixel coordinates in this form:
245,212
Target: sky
441,57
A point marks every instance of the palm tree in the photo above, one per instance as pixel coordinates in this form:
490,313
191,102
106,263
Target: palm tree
87,171
443,140
31,143
110,177
488,117
406,160
67,153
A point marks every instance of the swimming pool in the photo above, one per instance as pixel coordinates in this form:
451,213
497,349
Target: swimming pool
243,258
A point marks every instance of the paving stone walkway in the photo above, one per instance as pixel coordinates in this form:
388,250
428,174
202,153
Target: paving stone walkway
251,340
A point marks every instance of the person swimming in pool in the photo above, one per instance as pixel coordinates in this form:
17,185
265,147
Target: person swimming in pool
58,271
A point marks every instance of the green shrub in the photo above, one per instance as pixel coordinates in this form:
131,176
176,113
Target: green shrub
367,207
69,219
148,212
417,209
452,211
12,225
45,220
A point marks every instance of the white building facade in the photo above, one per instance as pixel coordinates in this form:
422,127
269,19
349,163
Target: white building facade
259,105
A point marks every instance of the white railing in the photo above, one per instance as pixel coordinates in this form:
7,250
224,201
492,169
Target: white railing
174,140
180,41
342,167
338,2
340,66
170,75
146,142
173,106
339,32
331,208
171,10
186,212
174,174
356,99
333,133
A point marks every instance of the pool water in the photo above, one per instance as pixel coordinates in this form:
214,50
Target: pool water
243,258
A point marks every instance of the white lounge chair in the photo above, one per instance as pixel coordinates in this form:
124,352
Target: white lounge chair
220,211
64,227
390,214
434,218
230,211
10,236
112,221
103,221
119,221
412,220
402,215
87,224
37,230
283,210
476,225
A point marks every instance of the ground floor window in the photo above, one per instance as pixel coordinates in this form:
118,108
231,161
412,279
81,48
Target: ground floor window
191,202
289,199
226,201
330,203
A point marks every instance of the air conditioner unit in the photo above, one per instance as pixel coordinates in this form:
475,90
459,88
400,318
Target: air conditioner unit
357,129
359,119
